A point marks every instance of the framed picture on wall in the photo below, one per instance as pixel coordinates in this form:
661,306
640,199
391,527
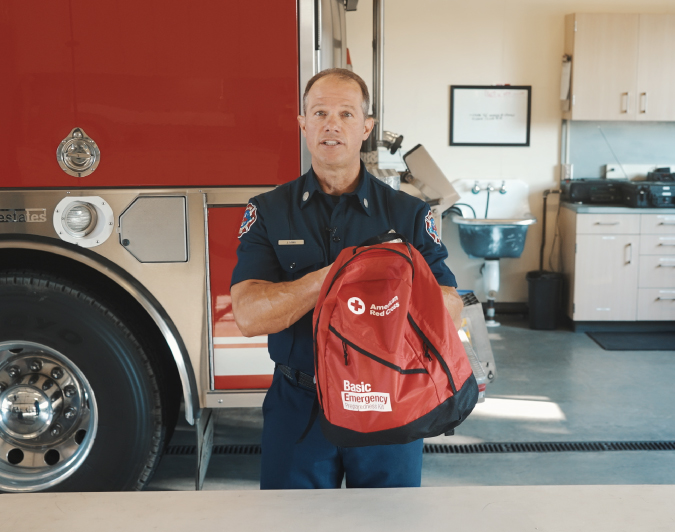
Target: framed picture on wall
490,115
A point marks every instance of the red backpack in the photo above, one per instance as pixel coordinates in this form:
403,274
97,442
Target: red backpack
390,367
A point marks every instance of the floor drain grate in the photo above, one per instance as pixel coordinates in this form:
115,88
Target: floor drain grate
472,448
549,447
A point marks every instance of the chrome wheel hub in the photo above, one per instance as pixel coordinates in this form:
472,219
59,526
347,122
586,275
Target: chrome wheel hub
48,417
25,411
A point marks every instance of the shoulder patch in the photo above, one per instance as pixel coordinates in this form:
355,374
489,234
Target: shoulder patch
430,225
250,217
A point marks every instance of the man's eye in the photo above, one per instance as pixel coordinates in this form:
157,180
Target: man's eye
346,114
319,113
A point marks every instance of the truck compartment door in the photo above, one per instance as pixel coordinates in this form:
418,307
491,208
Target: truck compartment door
237,363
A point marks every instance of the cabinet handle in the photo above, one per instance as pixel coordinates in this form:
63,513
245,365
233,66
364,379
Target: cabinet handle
643,102
666,245
625,108
666,265
629,248
665,298
667,223
607,223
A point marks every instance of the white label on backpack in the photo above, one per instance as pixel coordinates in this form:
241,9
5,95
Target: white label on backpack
385,310
363,399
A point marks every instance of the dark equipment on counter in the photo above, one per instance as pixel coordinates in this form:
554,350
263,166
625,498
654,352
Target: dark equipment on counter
648,194
661,175
593,191
544,288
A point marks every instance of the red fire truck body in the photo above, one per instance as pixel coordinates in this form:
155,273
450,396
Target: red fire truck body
132,135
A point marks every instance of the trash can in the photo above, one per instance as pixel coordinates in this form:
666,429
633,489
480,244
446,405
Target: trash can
544,298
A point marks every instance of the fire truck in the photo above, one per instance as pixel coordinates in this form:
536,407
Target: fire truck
132,135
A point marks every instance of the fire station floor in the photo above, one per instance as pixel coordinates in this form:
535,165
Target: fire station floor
551,386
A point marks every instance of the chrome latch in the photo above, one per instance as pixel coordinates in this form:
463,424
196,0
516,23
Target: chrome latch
78,155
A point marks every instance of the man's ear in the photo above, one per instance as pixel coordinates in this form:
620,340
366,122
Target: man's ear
301,123
368,127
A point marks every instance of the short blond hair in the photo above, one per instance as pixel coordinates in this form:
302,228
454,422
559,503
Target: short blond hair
344,75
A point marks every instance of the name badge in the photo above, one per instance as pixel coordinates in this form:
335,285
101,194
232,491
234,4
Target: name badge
291,242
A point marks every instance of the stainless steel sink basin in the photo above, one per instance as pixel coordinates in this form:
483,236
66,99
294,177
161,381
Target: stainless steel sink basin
492,238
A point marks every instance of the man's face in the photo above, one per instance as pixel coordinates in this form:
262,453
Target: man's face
335,125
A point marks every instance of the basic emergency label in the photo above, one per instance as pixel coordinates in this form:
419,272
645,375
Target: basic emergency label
366,401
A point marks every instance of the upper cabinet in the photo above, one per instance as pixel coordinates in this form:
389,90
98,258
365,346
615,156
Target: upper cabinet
623,66
656,68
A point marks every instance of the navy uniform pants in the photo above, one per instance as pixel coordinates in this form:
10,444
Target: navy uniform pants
317,463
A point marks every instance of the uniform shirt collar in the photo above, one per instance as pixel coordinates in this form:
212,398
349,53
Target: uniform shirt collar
362,192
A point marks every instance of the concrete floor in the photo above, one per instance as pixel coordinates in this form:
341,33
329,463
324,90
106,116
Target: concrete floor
551,386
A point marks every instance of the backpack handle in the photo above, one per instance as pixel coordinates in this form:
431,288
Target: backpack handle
381,239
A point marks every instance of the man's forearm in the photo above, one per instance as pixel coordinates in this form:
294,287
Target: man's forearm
262,307
454,304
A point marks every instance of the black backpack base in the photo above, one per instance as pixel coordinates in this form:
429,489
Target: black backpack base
444,418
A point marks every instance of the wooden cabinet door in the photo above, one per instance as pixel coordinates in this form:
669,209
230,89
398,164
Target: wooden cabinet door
606,274
656,68
604,66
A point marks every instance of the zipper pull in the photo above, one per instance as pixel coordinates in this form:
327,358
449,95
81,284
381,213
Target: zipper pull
426,351
344,349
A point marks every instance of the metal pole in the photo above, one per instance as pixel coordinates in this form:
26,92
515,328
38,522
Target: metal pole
378,67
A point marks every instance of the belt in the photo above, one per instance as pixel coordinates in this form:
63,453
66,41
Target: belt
303,379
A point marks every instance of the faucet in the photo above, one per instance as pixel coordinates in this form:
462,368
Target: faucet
502,190
475,189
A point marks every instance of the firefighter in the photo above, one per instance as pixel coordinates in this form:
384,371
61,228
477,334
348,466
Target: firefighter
289,237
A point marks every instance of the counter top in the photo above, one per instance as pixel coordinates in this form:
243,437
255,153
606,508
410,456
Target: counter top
470,508
613,209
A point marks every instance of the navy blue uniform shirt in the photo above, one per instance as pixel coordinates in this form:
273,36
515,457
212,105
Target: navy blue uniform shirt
300,211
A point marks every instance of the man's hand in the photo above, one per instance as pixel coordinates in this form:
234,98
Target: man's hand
262,307
454,304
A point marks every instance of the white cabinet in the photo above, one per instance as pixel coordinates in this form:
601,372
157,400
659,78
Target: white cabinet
604,50
619,267
656,68
656,281
623,66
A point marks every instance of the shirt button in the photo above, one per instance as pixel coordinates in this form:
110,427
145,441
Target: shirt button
292,265
336,239
305,196
365,202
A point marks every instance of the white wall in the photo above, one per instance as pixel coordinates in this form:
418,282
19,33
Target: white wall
432,44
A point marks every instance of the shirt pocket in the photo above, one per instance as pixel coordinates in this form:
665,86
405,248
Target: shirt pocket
296,261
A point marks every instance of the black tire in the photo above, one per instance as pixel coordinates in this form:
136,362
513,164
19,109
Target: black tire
43,309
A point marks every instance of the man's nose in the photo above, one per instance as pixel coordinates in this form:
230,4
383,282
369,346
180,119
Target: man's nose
333,123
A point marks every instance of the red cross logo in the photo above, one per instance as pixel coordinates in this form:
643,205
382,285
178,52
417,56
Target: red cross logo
356,305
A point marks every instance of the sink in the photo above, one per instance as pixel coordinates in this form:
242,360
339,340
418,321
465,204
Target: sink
495,215
492,217
492,238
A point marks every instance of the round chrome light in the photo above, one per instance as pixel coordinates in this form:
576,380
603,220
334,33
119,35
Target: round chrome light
86,221
79,219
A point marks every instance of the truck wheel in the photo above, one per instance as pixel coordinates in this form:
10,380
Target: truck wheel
80,406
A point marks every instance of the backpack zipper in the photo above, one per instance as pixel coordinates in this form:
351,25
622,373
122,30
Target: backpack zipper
355,347
428,346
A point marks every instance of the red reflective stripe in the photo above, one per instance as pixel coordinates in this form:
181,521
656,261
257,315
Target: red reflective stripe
242,382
